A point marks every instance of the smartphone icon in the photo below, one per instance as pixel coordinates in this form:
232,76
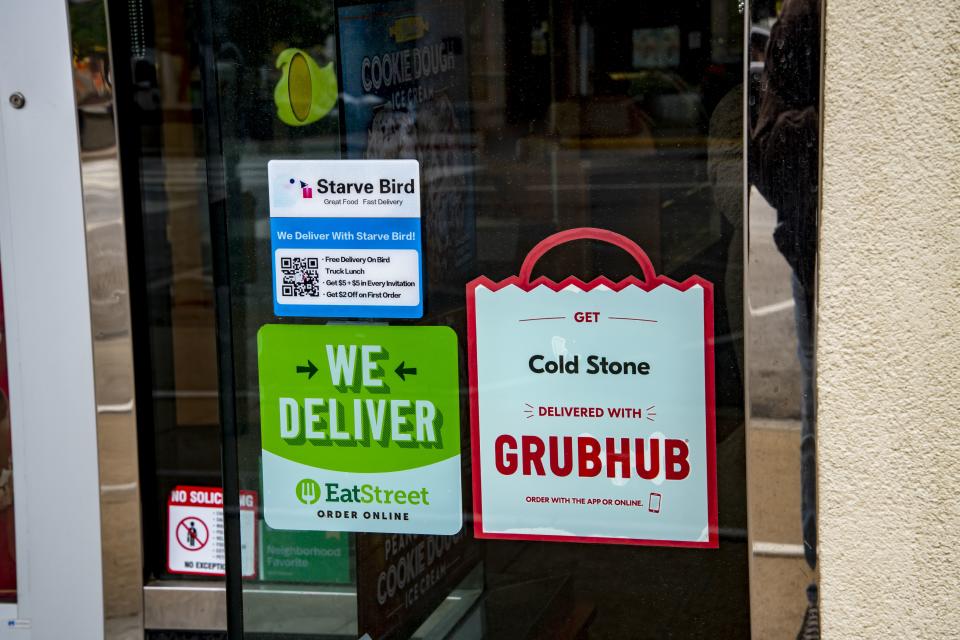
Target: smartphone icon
653,504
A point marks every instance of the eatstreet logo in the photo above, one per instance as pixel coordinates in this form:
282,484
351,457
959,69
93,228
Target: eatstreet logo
309,492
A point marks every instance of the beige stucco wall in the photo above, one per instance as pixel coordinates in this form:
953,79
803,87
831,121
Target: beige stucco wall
889,321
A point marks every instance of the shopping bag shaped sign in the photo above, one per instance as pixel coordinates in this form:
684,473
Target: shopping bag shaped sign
590,402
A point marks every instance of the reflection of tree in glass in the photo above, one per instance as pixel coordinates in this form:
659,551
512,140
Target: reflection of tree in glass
88,27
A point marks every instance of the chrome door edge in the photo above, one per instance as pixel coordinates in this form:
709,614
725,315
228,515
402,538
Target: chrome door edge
119,475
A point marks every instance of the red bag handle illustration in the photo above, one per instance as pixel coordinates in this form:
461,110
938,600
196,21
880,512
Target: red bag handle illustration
587,233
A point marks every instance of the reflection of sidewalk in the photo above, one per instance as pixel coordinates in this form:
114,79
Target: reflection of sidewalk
779,572
774,368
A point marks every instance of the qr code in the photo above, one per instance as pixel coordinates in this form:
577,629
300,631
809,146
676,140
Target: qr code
301,277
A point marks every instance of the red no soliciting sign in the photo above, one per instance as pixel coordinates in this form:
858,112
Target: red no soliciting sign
195,538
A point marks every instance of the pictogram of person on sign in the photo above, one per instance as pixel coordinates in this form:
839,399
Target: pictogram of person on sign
192,534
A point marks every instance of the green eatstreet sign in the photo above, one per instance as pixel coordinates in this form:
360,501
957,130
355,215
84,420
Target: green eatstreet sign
360,428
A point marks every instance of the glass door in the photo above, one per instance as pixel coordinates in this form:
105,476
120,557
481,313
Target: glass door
386,474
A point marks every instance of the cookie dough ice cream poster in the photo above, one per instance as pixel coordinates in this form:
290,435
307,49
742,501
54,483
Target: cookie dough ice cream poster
592,405
405,79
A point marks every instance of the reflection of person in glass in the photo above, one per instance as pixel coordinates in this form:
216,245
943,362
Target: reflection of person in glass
784,166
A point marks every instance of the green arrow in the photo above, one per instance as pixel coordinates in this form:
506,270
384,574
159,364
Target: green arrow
310,369
403,371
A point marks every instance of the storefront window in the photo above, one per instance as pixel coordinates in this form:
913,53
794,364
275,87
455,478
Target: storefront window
526,119
538,117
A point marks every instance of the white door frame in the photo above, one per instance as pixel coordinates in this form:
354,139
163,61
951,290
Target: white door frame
48,329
